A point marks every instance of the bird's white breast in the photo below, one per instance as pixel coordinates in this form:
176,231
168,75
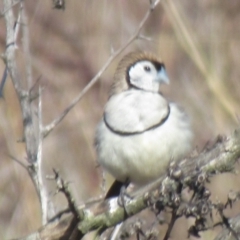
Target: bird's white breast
142,158
135,111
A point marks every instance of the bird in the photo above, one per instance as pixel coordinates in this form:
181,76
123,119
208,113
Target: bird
140,131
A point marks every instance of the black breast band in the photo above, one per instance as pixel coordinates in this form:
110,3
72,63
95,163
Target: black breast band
123,133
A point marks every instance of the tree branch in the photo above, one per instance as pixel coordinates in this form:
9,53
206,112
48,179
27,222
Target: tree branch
219,158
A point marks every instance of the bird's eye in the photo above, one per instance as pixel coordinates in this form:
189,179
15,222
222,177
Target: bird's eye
147,68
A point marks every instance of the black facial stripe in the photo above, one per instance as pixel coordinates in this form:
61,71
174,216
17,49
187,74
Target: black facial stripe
122,133
127,76
130,85
158,65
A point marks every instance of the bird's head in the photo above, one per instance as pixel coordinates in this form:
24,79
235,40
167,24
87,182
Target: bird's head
139,70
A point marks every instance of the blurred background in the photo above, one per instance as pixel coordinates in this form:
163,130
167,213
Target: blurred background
199,42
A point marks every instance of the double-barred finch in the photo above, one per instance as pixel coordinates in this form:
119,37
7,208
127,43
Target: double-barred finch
140,131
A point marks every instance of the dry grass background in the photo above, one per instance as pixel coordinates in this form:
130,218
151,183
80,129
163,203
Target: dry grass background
199,42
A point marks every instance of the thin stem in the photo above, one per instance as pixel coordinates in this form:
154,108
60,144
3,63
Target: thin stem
171,224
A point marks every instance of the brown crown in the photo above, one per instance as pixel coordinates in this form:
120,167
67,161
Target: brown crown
121,75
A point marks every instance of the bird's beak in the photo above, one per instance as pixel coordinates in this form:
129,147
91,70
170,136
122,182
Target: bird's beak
162,76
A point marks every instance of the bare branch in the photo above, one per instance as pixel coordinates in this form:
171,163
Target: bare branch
23,95
56,121
32,136
2,13
62,186
42,189
171,224
16,32
3,80
19,162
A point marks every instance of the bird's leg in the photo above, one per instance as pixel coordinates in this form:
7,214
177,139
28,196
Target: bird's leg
118,189
114,190
124,197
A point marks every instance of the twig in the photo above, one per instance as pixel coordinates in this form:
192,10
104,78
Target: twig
2,13
62,186
142,37
23,95
26,49
171,224
19,162
116,231
3,81
42,190
47,129
103,183
59,215
16,32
